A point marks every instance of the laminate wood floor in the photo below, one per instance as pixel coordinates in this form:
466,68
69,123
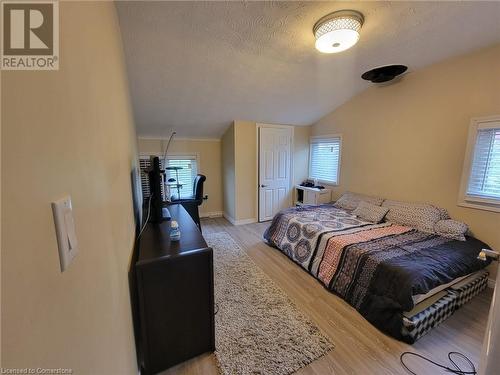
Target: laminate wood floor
359,347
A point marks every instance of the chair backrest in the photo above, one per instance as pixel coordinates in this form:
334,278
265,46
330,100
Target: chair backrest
198,188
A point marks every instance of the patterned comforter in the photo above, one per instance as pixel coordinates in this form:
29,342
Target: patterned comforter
376,268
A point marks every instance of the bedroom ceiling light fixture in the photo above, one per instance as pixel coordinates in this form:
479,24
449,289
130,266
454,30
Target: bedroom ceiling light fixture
338,31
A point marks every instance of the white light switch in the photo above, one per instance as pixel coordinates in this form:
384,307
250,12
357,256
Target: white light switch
65,231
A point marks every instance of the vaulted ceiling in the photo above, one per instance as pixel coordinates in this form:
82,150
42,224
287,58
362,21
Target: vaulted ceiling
195,66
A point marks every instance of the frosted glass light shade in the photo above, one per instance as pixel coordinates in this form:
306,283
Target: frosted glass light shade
338,31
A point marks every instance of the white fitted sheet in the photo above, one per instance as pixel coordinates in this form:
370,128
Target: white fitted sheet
420,297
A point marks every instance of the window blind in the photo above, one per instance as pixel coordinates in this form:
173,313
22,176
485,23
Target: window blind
324,160
186,175
144,164
484,178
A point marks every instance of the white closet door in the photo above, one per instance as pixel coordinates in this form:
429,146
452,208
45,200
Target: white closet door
274,170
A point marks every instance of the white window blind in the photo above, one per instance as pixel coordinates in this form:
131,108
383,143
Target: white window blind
144,164
187,174
484,178
324,159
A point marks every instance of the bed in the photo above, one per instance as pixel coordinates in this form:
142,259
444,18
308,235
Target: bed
399,278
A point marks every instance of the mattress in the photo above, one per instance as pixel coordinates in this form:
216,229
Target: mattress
435,309
421,297
470,286
415,326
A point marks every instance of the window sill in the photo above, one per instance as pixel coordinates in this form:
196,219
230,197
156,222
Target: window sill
494,207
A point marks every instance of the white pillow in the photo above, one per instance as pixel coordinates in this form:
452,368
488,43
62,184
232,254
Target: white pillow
451,229
420,216
349,201
370,212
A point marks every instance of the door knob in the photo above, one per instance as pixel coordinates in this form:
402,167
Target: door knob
263,185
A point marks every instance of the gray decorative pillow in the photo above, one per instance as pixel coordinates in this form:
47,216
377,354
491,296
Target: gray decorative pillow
420,216
451,229
443,213
369,212
349,201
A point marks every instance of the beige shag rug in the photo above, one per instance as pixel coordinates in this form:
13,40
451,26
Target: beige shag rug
258,330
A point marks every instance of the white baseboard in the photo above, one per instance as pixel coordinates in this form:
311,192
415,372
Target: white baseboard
491,283
211,214
246,221
229,218
233,221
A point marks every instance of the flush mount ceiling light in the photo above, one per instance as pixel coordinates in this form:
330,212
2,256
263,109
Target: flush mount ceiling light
338,31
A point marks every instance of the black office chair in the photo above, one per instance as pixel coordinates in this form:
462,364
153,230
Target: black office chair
196,199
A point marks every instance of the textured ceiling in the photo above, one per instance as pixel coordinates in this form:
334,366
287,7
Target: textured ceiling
196,66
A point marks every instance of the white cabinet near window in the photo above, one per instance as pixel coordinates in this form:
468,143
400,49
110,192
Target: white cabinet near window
312,195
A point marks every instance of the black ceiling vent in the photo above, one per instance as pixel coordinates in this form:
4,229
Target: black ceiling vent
384,73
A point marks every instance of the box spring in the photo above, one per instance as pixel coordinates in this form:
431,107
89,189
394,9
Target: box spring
431,312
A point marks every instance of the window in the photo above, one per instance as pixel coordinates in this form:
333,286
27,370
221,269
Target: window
324,159
187,174
480,186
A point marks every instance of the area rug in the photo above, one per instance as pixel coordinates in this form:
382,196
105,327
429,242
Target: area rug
258,329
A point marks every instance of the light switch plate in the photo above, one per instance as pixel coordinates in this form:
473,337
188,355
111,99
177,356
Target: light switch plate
65,231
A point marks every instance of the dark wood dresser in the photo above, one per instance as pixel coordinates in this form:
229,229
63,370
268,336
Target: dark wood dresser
175,294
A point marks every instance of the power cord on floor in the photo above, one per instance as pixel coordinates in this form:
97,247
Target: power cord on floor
456,370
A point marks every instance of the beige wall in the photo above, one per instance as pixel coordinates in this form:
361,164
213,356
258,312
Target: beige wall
240,144
301,136
228,173
209,156
69,132
245,145
407,141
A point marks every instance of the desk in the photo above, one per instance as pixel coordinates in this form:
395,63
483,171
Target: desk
311,195
175,290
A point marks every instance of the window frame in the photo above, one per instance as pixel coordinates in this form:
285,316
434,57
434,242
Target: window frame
327,136
174,155
471,201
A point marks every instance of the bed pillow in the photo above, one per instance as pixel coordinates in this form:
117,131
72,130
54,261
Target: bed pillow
349,201
451,229
420,216
369,212
443,213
